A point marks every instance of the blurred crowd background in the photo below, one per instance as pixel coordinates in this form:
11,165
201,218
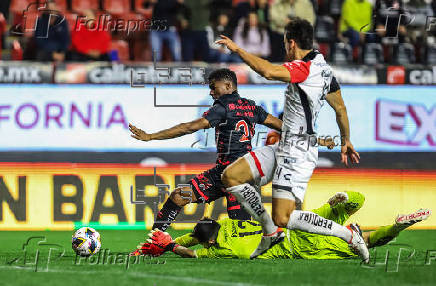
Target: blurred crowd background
74,73
346,31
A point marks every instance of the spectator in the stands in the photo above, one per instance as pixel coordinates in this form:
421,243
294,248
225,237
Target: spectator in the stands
195,45
217,7
90,42
262,10
52,35
219,53
251,37
388,20
165,14
241,8
281,12
355,22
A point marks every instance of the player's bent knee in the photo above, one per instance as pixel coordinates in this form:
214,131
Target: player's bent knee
281,220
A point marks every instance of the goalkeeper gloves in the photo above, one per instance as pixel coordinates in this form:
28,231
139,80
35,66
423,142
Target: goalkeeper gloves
162,240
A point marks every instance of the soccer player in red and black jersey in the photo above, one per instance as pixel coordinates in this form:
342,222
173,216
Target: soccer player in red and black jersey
234,119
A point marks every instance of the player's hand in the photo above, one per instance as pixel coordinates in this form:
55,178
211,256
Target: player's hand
347,151
161,239
226,41
150,249
139,134
327,142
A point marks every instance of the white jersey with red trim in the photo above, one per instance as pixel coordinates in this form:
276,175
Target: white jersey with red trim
305,94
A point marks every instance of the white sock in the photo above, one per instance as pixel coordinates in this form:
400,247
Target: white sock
251,200
313,223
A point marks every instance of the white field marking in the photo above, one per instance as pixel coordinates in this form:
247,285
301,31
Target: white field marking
138,274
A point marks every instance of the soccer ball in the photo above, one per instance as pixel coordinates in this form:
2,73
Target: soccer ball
86,241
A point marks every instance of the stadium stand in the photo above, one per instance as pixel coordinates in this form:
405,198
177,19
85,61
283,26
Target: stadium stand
80,5
332,41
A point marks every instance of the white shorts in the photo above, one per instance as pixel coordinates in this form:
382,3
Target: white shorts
262,163
289,171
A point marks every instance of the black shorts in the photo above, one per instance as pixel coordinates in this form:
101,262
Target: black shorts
208,187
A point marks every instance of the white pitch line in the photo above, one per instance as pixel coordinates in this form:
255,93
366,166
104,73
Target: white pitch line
139,274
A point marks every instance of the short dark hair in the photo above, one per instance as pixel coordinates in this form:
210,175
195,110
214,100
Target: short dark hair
223,74
301,31
206,230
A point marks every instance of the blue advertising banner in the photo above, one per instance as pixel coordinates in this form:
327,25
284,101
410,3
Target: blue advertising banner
96,117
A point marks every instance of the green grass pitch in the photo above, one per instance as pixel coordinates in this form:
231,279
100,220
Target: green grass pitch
417,248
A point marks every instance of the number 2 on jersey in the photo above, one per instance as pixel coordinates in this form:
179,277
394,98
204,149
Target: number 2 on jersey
246,136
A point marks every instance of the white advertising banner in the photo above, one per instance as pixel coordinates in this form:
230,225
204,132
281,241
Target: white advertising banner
96,117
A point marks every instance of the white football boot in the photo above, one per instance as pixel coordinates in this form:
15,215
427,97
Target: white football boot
404,221
267,242
357,243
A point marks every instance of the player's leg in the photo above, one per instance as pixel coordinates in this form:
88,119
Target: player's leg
234,209
341,206
202,189
216,189
289,186
384,234
240,177
172,207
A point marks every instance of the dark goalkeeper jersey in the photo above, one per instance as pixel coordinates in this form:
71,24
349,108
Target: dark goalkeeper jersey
234,119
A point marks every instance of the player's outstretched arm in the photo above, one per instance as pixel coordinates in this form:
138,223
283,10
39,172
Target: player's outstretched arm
335,100
259,65
184,252
173,132
186,240
164,241
273,122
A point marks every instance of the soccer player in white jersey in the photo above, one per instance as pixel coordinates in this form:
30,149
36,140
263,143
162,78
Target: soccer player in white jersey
309,78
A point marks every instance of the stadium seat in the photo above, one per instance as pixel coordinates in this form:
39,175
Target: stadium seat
373,54
405,54
3,29
18,8
122,48
431,54
323,7
16,51
336,7
29,23
342,54
325,34
325,29
117,7
3,24
80,5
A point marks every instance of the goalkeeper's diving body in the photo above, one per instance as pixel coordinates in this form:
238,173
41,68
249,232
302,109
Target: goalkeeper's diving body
230,238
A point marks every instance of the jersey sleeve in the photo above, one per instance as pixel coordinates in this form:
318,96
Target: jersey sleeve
298,70
213,252
334,85
186,240
215,114
261,114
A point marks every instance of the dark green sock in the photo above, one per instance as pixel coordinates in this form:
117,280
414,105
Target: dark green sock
383,235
